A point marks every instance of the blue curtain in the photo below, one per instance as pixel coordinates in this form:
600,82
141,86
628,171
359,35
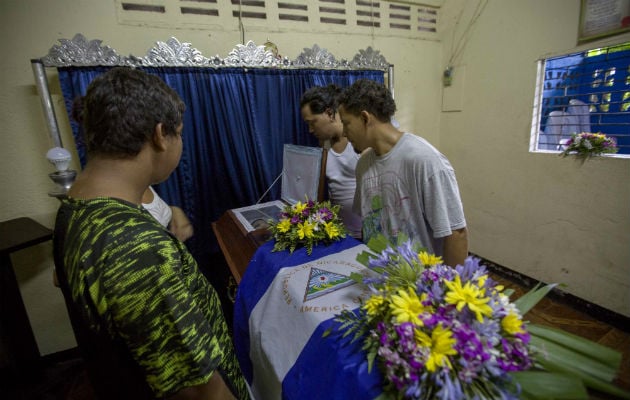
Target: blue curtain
236,123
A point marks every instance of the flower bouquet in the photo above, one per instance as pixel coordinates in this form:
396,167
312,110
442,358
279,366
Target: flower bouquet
307,224
437,332
589,144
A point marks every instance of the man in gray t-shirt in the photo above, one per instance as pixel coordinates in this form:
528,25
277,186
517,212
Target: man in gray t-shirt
404,184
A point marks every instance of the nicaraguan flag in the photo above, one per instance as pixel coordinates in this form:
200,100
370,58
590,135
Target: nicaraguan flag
284,304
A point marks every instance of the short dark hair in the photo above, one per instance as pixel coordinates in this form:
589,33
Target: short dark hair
121,109
371,96
320,98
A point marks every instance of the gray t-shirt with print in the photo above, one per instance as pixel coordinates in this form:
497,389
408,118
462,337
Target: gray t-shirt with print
412,189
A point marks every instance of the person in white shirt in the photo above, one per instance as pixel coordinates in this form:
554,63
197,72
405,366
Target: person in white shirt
171,217
318,107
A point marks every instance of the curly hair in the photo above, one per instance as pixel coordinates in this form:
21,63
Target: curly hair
320,98
371,96
121,109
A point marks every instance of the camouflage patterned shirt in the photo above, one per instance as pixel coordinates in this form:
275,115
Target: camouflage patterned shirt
135,280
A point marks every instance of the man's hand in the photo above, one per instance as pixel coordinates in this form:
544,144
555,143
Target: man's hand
180,225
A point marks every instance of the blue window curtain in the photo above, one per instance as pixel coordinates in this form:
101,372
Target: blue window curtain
236,123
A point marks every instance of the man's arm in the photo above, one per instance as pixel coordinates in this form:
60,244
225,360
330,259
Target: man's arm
456,247
180,225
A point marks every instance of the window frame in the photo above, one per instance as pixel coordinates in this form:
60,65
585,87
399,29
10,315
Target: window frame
540,113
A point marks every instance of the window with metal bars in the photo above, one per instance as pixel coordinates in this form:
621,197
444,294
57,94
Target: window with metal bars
583,92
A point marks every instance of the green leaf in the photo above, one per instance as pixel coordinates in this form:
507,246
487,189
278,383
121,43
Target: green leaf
357,277
370,358
590,349
594,374
557,356
527,301
547,385
364,257
378,243
588,380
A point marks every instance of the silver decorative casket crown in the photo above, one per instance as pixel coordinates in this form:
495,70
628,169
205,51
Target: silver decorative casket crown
80,51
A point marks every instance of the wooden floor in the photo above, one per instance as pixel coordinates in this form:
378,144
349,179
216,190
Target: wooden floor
66,378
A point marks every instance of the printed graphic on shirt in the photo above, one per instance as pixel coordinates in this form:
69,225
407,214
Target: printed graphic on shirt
389,209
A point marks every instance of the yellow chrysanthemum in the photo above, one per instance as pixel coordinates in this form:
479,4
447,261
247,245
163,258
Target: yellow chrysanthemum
284,225
422,339
373,304
305,230
299,207
512,324
332,230
442,343
406,306
468,295
429,259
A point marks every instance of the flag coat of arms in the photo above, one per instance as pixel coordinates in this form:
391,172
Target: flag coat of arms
284,304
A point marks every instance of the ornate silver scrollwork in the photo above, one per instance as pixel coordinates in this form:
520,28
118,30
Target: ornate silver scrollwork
250,55
369,59
173,53
316,57
80,52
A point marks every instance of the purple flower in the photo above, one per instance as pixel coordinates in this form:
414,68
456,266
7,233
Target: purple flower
407,252
515,356
441,315
383,259
523,337
469,345
413,391
407,341
382,329
435,292
449,389
326,214
371,282
471,270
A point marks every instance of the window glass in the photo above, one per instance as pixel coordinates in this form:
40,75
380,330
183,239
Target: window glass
583,92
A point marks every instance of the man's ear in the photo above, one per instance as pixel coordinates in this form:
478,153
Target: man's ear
366,116
159,137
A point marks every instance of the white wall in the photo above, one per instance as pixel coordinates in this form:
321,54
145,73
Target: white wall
550,218
32,27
